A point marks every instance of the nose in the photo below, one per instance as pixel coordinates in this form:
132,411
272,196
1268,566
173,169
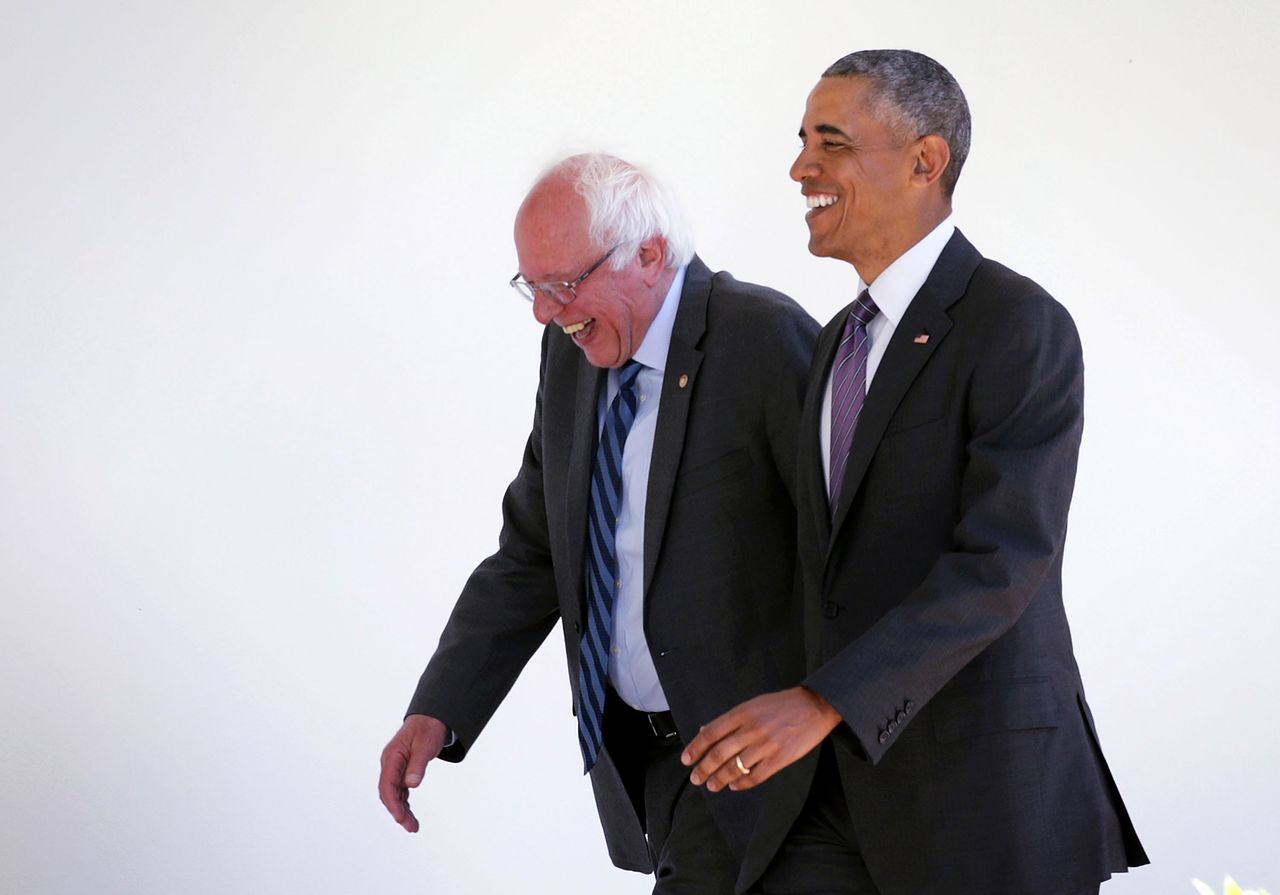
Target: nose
544,309
803,166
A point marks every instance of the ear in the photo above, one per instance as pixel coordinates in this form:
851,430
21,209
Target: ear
932,155
652,258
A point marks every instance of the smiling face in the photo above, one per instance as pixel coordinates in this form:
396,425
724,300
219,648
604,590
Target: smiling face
614,308
868,198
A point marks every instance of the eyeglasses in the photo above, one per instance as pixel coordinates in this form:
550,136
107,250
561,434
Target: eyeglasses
561,293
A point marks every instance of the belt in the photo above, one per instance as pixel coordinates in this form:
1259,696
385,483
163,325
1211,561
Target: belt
661,725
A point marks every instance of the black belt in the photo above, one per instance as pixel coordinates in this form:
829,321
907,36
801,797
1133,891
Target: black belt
661,725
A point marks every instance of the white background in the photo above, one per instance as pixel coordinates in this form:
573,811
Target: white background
262,384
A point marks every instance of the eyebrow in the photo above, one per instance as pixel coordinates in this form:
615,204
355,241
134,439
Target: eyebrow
828,129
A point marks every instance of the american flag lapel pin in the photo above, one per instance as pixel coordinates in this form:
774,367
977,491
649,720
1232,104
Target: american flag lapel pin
922,339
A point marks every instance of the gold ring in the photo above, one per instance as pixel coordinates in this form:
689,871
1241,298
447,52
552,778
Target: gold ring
737,759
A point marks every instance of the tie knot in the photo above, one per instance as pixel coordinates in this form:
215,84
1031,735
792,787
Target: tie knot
628,372
864,309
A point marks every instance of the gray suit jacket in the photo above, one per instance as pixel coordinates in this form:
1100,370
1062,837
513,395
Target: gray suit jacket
933,603
719,541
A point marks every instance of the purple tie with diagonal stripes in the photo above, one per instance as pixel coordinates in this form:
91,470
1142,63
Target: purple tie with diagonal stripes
849,388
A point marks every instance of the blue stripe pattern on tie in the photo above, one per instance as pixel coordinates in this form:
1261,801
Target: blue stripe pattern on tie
602,563
849,388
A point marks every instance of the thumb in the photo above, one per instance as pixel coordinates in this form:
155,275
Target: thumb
422,749
416,768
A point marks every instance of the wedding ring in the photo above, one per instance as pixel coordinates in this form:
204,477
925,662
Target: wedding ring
737,759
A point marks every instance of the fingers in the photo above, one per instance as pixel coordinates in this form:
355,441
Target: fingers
717,764
391,790
710,735
758,759
404,762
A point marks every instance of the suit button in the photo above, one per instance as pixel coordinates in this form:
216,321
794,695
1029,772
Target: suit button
884,737
830,610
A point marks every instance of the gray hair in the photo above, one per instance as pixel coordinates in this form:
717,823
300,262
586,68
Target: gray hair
626,205
913,96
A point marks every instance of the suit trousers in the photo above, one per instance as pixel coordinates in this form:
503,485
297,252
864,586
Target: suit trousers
690,855
820,855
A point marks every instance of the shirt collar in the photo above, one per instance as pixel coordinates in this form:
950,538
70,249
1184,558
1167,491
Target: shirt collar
893,290
657,341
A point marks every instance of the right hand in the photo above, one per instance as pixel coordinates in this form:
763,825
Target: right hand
404,761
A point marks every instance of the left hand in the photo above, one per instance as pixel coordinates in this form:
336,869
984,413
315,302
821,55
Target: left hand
766,734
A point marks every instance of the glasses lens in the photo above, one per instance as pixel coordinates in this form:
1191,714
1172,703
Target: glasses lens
560,293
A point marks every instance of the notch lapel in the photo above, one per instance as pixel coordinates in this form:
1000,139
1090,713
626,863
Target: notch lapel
815,479
581,458
683,359
903,360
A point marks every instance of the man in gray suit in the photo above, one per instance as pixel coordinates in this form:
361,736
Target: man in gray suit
682,389
940,741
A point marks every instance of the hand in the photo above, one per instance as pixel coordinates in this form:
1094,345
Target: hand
766,734
404,761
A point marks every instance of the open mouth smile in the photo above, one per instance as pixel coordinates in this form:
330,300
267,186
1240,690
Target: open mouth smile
580,329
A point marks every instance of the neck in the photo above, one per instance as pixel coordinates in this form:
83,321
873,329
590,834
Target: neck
895,245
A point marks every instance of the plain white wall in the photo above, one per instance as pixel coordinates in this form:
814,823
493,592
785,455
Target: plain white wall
262,384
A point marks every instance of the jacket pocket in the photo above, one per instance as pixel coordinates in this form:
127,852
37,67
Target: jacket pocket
1023,704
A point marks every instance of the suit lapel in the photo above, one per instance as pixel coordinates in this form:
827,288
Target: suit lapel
810,465
581,459
683,360
903,360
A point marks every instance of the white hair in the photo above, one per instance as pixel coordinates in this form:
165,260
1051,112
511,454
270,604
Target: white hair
626,205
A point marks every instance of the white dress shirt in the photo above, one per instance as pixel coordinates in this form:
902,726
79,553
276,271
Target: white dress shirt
892,292
631,668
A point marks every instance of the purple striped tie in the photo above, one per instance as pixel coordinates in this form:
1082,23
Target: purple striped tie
849,387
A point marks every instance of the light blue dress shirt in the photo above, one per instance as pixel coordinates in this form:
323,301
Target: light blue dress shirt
631,668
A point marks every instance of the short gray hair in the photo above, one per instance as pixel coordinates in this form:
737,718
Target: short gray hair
626,205
913,96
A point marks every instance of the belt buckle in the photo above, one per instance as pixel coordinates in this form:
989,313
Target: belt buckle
652,718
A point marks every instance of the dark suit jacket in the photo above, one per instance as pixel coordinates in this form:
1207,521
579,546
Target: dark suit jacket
934,620
719,555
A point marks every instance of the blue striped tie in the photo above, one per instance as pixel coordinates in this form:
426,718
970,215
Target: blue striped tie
602,563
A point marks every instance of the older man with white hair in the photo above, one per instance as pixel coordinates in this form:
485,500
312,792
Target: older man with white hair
653,516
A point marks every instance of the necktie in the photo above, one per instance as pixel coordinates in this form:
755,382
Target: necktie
602,563
849,387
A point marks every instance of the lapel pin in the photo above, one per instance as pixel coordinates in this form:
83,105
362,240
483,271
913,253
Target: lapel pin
684,380
922,339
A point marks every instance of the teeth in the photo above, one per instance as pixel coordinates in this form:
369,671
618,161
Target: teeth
820,200
576,327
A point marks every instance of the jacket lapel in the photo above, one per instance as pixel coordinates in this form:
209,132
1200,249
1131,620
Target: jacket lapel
581,459
683,360
903,360
814,481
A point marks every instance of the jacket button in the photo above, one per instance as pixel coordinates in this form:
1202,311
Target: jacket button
884,737
830,609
